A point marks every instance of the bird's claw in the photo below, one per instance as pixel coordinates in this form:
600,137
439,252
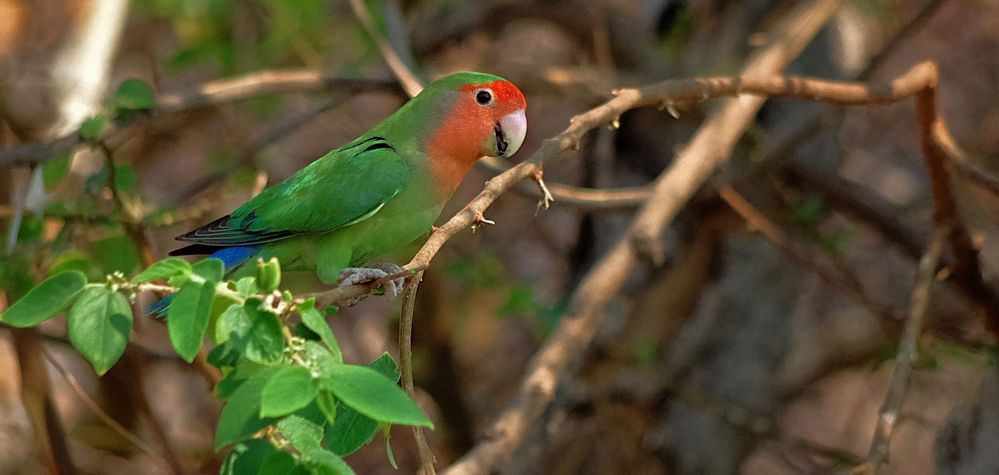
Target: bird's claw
359,275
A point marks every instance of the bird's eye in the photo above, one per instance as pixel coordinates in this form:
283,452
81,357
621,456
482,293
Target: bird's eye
484,97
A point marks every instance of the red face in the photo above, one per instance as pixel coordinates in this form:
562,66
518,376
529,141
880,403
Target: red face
487,120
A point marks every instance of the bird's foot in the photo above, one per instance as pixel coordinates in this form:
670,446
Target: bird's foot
359,275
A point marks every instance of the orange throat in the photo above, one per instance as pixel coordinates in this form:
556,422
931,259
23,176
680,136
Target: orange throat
453,149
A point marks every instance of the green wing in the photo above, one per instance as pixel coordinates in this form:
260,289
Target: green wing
346,186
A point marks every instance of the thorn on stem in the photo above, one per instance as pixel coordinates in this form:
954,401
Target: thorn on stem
546,196
480,219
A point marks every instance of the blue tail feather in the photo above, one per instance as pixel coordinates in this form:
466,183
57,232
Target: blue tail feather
231,257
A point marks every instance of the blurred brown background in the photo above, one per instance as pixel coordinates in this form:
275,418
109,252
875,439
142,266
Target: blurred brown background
730,358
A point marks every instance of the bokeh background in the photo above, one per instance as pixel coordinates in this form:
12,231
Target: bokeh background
731,357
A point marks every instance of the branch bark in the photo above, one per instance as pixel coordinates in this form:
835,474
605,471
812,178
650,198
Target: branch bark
907,353
708,149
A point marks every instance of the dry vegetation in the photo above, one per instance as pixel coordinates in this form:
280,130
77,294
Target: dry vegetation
706,259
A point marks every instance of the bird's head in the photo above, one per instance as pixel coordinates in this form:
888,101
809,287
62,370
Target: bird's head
480,115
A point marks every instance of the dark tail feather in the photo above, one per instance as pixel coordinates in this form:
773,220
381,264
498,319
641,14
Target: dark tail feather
232,257
195,250
160,307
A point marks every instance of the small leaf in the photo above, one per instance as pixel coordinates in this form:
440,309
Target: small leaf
327,404
45,300
303,435
268,275
328,463
291,389
350,431
374,395
55,170
210,269
389,452
279,463
240,416
116,253
247,286
187,320
256,333
385,365
247,456
124,177
91,128
163,269
316,322
134,94
99,324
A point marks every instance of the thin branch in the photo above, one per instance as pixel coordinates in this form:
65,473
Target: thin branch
410,82
827,269
427,459
907,353
105,417
212,93
708,149
939,149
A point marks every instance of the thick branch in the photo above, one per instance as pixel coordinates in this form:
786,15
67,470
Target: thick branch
692,166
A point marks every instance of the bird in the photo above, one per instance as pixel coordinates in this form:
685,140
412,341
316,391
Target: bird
378,192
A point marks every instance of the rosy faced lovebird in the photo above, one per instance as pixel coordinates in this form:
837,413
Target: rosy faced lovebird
378,192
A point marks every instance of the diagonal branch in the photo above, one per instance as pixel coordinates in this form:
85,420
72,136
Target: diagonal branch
907,353
708,149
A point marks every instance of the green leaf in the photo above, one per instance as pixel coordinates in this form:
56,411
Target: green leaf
247,456
279,463
350,431
389,452
99,324
116,253
45,300
224,354
291,389
124,177
210,269
327,404
54,170
372,394
268,275
187,320
256,333
385,365
306,437
134,94
247,286
328,463
240,416
91,128
316,322
303,435
166,268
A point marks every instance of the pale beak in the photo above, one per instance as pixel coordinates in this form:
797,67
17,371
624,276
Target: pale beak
510,132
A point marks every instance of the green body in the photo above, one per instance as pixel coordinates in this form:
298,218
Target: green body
357,202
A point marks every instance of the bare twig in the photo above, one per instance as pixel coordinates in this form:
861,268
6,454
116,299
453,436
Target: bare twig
104,416
213,93
828,270
410,82
708,149
907,353
939,149
427,459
